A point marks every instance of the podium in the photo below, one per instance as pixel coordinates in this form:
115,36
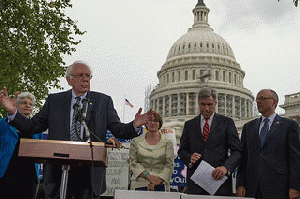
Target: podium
64,153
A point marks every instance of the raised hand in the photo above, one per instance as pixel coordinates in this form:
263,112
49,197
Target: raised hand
142,119
10,104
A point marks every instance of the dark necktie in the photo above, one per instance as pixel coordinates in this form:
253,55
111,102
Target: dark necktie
264,131
77,124
205,130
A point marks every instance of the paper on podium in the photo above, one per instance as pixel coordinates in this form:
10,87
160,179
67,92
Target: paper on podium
203,178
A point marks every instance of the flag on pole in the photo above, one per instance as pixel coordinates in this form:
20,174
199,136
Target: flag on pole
128,103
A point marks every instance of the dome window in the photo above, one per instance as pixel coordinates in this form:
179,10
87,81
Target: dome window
194,74
217,75
186,75
167,78
173,76
212,45
189,45
201,45
207,45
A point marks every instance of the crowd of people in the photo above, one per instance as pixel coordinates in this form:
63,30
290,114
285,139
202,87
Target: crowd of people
267,157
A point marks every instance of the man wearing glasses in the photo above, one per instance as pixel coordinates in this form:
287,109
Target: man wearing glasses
270,163
57,115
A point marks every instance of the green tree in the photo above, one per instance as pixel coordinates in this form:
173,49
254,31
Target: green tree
34,35
296,2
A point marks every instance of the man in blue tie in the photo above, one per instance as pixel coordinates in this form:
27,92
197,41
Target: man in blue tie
270,163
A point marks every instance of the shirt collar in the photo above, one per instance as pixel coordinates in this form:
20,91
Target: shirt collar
211,117
271,118
82,96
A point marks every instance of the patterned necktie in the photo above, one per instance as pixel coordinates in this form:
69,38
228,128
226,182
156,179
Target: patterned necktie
77,124
206,129
264,131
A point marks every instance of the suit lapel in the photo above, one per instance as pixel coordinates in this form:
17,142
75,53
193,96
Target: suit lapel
214,124
91,99
256,134
198,129
67,104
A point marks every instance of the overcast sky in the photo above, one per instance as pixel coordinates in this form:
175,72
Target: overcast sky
127,42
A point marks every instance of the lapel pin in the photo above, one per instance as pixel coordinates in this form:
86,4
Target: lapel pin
277,122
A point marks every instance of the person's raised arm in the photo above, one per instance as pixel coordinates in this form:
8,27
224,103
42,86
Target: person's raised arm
9,104
141,119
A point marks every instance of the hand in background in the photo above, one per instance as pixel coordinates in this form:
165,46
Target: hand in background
150,187
219,172
195,157
154,179
240,191
294,194
10,104
142,119
116,143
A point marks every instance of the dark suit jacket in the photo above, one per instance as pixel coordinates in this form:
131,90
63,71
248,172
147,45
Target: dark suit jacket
275,165
55,116
223,136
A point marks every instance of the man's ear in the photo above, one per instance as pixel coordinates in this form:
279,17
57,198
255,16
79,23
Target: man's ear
68,80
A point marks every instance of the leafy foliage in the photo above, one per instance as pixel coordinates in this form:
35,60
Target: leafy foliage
34,35
294,1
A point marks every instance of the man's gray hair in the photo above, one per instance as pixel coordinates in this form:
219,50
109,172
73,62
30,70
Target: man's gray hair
207,92
70,68
26,95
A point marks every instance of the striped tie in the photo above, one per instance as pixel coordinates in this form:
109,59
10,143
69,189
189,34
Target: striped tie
77,124
206,129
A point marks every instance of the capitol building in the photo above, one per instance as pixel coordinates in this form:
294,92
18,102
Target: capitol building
200,58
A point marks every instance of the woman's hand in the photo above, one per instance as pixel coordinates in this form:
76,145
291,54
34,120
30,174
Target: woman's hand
154,179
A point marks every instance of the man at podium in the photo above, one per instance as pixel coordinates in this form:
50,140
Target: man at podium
58,115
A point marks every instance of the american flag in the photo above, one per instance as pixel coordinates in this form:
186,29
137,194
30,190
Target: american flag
128,103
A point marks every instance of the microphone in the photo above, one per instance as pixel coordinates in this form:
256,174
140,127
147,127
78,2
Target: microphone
85,107
77,111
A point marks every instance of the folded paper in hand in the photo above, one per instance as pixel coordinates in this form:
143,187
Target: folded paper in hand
204,179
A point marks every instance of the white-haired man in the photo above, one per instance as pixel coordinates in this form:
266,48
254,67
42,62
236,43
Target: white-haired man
57,116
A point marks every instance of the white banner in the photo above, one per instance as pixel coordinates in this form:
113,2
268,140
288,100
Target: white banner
117,171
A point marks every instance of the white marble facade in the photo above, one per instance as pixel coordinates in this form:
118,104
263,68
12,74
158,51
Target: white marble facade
200,58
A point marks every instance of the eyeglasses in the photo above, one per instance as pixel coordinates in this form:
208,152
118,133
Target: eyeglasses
263,98
81,76
26,103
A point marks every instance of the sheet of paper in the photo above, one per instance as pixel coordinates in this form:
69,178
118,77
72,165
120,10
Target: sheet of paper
203,178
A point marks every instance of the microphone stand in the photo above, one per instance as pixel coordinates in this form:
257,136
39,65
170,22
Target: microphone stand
66,168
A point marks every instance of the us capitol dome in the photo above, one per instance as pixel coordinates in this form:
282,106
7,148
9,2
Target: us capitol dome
200,58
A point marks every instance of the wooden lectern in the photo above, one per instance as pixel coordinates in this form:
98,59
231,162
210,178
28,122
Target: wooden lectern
64,153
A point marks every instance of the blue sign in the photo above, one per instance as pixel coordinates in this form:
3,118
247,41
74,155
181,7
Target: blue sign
179,172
